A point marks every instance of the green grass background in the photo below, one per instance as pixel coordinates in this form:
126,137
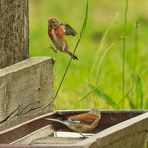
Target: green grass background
99,51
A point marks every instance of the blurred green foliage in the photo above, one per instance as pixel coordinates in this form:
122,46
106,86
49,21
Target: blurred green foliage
101,32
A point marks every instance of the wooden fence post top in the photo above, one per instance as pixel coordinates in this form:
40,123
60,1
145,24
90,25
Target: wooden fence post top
26,89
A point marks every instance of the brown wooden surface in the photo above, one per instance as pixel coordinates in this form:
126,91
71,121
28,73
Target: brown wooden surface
26,88
14,31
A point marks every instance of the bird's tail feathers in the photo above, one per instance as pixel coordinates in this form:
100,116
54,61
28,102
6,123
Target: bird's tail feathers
72,55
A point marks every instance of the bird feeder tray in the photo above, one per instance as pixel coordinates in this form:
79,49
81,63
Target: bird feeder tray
117,128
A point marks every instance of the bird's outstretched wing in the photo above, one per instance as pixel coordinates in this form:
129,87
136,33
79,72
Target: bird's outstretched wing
68,30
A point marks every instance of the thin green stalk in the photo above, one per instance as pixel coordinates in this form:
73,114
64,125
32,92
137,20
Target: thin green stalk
89,93
81,35
102,45
139,94
66,70
136,45
76,46
123,52
126,94
102,58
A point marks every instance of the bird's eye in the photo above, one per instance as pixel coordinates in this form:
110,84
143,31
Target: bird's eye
53,22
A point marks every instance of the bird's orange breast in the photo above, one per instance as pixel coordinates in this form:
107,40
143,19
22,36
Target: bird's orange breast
56,33
59,32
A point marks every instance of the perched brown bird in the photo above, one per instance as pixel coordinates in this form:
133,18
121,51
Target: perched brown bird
82,123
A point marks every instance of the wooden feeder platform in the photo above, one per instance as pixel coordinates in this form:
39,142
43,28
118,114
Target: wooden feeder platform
122,128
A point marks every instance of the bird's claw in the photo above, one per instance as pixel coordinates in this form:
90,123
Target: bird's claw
51,47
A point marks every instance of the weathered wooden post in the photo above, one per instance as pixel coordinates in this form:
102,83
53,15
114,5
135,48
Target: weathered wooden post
26,85
14,31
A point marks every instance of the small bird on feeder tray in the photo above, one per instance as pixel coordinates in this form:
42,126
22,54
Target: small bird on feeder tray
82,123
57,32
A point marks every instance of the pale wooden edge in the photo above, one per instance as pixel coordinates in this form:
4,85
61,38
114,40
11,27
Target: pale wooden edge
24,64
31,120
42,132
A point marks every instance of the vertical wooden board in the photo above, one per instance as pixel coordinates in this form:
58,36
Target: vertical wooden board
14,31
25,89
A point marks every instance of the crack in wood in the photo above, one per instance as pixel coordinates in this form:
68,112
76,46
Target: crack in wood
26,89
20,113
51,105
32,109
4,120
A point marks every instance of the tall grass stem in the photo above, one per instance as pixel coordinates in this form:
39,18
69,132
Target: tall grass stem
102,45
124,52
76,46
102,59
136,45
89,93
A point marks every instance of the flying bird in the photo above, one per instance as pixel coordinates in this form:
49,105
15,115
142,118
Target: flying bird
57,32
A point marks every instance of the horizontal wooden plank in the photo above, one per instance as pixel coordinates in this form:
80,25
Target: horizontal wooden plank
25,89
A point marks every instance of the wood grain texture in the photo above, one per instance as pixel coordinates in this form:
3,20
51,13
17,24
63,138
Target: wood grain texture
25,89
14,31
